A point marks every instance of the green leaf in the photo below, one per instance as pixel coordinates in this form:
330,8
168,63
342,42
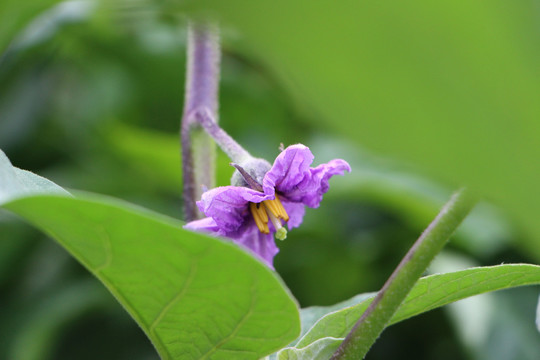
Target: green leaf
429,293
450,86
309,316
195,296
321,349
15,182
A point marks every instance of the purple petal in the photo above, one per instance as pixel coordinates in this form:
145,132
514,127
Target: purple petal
207,225
227,205
248,236
260,244
290,169
296,211
317,185
291,176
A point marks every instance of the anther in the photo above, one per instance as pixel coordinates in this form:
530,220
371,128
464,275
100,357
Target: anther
282,212
276,207
260,217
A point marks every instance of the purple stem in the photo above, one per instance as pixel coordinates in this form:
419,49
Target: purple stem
229,146
203,61
198,149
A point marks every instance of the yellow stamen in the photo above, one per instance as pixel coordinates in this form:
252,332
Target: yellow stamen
276,208
283,214
261,218
272,206
262,212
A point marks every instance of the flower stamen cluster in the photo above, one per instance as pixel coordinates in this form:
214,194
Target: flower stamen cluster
272,210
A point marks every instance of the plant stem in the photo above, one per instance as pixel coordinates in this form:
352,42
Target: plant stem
229,146
202,82
377,316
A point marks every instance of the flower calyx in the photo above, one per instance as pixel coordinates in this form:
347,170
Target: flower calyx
250,173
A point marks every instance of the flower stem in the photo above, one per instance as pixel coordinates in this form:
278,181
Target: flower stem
373,321
202,81
229,146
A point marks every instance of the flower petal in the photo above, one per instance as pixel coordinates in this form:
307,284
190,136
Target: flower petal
227,205
290,168
296,211
207,225
262,245
247,236
291,175
312,191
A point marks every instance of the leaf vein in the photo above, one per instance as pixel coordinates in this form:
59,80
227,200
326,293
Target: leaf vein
181,293
234,331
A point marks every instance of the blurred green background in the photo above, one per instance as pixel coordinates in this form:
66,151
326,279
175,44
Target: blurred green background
91,97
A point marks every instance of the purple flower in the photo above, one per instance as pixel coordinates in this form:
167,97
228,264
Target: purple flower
251,215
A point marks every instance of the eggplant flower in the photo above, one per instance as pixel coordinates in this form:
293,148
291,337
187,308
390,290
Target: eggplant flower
252,214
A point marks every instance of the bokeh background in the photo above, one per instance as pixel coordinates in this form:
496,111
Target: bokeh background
416,98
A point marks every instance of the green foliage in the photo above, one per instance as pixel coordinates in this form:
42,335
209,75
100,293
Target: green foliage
446,86
309,316
321,349
429,293
193,295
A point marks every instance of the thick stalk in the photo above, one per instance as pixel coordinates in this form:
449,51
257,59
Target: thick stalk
397,287
202,82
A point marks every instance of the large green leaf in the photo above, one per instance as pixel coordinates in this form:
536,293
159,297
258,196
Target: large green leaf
451,86
429,293
195,296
